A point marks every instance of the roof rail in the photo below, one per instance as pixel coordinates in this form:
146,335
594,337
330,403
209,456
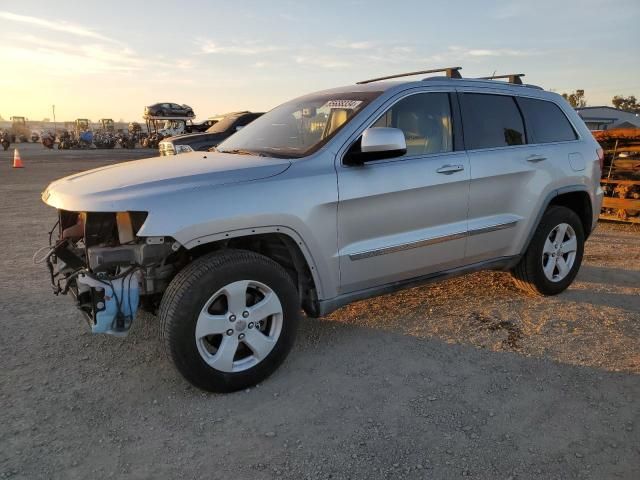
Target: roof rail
512,78
452,72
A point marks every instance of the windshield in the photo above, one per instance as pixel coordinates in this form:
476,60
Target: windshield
300,127
223,125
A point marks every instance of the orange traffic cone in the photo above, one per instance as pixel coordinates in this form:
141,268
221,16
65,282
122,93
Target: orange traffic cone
17,161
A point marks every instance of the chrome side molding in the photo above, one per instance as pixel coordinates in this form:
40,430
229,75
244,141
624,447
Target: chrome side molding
431,241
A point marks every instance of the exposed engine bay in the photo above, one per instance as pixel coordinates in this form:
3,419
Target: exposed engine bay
111,272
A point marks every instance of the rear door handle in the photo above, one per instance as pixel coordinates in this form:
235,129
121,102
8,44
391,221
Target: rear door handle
449,169
536,158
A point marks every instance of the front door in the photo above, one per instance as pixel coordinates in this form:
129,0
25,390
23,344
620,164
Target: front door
405,217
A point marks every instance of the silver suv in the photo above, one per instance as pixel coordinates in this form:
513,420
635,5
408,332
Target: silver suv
330,198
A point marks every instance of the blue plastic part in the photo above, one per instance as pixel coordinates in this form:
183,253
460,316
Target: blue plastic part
86,136
125,300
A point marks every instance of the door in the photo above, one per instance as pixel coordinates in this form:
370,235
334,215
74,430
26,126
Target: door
509,175
405,217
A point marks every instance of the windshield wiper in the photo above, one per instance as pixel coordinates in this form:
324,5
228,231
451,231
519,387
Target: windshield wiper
239,151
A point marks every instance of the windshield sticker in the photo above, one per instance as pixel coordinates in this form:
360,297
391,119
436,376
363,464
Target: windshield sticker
345,104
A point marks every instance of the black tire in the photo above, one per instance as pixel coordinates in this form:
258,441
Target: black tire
529,274
186,296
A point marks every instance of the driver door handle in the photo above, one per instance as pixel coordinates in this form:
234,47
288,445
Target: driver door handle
536,158
449,169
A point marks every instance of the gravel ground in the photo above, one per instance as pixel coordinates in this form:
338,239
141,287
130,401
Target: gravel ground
468,377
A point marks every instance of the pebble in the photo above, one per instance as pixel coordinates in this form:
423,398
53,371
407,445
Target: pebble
270,434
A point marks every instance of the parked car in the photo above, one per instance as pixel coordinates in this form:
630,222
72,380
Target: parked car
330,198
202,126
168,110
227,126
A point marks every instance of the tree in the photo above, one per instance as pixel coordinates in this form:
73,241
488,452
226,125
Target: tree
576,99
630,103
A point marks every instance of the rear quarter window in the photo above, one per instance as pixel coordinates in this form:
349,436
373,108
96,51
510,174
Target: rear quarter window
491,121
546,122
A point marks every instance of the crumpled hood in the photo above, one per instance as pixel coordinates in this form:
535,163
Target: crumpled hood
134,185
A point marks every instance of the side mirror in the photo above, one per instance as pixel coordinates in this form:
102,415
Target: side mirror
378,143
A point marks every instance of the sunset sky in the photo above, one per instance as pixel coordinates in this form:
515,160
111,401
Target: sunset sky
110,59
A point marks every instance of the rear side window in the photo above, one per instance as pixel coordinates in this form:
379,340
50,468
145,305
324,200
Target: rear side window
491,121
545,121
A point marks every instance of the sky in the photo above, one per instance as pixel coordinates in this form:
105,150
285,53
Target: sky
109,59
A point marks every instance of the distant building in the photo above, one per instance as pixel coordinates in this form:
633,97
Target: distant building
605,118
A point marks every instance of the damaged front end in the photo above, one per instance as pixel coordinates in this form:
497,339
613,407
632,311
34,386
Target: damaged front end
99,259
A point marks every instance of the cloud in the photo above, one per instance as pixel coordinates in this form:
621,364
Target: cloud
58,26
362,45
71,59
247,48
321,61
496,53
462,52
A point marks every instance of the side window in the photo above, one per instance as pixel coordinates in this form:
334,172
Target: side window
425,119
246,120
546,122
491,121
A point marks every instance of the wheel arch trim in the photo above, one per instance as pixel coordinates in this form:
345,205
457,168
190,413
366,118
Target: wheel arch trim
277,229
547,201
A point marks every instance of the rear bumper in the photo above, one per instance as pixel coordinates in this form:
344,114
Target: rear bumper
597,206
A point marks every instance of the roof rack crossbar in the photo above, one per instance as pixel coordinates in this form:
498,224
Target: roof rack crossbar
512,77
452,72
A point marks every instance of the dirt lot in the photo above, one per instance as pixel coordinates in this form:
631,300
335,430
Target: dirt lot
464,378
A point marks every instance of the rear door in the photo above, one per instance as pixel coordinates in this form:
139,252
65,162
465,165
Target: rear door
509,174
405,217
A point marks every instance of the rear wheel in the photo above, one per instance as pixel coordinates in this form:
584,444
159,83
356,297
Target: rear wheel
229,319
554,256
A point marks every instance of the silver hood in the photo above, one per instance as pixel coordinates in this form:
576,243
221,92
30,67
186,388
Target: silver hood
138,185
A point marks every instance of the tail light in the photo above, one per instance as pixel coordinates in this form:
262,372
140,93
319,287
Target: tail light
600,153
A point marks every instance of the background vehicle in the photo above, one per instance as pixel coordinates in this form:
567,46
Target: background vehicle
105,136
19,130
227,126
162,128
168,110
5,140
48,139
327,199
202,126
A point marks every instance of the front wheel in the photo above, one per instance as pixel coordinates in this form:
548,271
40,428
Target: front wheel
229,319
554,256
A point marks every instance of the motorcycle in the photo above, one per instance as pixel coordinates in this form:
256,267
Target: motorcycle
35,137
48,140
126,141
5,140
104,140
65,142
